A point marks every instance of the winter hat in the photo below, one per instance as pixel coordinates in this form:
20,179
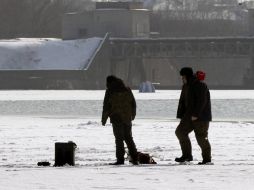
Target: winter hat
111,78
111,82
186,71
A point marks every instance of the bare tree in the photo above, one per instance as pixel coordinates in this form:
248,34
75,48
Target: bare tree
36,18
199,18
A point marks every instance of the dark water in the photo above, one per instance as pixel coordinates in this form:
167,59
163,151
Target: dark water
230,110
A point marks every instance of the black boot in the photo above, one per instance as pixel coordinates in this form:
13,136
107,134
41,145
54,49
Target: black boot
135,162
204,162
184,159
117,163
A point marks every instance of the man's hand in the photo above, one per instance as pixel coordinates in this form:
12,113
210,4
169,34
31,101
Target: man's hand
193,118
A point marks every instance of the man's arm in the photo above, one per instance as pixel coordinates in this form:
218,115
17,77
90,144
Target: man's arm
181,105
106,108
199,100
133,105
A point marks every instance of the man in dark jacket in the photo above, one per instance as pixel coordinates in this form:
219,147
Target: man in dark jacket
194,110
120,106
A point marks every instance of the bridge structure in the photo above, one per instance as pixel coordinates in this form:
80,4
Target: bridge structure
211,53
182,47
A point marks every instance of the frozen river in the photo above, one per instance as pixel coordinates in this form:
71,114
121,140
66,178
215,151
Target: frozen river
32,121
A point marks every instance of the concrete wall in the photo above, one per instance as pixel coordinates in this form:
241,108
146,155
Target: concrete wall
115,21
140,23
251,21
74,23
220,72
118,22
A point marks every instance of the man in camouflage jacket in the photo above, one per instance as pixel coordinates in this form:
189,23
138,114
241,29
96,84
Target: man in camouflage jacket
120,106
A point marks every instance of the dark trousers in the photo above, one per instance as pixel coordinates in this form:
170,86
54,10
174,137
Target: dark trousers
123,133
201,133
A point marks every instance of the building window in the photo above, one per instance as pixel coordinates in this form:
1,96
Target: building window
82,32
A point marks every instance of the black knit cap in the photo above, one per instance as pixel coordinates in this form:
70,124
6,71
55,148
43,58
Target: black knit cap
111,82
186,71
111,78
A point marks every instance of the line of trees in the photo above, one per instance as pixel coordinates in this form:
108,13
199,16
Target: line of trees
200,18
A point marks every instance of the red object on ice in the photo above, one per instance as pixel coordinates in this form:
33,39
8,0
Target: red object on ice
200,75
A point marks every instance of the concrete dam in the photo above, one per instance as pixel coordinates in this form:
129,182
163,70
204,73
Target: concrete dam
227,61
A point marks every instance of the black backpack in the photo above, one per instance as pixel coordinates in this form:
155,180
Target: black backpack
145,158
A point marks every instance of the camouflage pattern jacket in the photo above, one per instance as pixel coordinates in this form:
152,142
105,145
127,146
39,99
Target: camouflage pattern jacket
119,106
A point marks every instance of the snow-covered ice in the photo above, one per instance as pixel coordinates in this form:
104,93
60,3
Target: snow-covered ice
27,138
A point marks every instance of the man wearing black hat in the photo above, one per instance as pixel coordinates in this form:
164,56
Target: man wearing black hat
194,110
120,106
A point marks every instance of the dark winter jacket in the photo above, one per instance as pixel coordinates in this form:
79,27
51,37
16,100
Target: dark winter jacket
119,105
195,101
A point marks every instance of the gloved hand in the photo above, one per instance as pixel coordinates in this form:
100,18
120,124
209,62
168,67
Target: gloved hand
193,118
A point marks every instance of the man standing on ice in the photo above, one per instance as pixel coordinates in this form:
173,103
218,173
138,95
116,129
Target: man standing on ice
194,110
120,106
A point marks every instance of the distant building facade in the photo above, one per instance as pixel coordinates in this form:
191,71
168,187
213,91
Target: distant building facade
251,21
120,19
